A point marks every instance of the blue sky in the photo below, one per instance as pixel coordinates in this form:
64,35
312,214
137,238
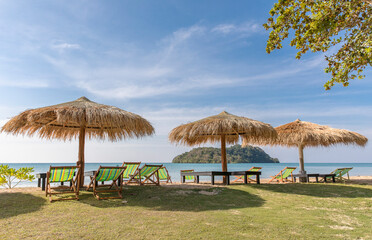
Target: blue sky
171,62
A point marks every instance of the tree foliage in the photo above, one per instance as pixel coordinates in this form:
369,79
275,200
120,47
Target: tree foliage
234,154
10,177
343,25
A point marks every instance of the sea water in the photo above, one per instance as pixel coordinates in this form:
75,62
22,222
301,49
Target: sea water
268,169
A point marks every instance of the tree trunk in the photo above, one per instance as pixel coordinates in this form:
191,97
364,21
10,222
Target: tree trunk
302,165
223,156
81,161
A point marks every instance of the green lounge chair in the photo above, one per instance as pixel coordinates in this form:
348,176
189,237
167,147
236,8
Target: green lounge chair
163,175
189,177
144,175
132,167
62,174
283,175
339,173
103,174
241,178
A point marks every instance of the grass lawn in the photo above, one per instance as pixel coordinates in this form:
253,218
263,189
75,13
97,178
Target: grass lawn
276,211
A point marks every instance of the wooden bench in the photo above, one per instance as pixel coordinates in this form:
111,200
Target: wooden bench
307,176
246,174
316,175
212,174
324,176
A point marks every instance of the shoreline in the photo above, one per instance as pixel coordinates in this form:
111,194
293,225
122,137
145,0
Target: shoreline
358,180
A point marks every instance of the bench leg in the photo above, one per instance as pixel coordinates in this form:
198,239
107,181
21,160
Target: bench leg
183,179
228,180
333,179
197,179
294,179
212,179
317,179
246,179
38,182
258,179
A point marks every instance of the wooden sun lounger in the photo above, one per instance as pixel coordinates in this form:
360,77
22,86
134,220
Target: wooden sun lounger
337,175
146,173
283,175
163,175
62,174
114,174
132,167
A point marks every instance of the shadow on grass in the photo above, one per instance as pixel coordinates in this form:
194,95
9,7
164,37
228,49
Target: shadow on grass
175,198
318,190
13,204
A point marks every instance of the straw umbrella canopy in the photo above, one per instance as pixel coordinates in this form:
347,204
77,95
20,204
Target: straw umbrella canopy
224,128
303,134
78,119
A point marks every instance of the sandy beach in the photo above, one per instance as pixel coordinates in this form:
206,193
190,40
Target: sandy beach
361,180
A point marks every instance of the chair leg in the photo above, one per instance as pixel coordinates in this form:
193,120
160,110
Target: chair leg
94,189
91,183
46,189
272,179
75,189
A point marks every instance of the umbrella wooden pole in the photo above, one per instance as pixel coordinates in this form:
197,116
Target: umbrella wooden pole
302,165
81,155
223,156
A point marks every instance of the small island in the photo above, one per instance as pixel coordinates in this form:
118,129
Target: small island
234,154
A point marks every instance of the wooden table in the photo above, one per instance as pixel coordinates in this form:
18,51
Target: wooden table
246,174
307,176
316,175
324,176
212,174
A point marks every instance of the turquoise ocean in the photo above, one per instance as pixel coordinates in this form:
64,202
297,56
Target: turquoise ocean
268,169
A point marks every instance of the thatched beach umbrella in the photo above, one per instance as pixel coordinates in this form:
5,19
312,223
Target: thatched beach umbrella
78,119
306,134
224,128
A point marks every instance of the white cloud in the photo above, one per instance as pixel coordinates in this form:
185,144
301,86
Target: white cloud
179,65
165,118
183,34
66,46
244,28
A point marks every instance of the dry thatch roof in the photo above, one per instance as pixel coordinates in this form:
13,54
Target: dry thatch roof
311,134
211,128
63,121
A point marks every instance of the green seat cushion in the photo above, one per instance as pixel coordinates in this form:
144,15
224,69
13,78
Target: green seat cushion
130,170
108,174
61,174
